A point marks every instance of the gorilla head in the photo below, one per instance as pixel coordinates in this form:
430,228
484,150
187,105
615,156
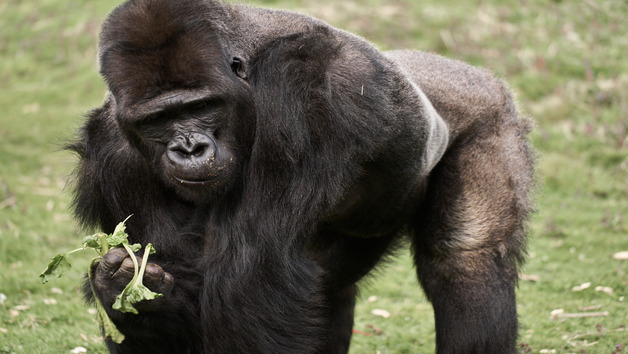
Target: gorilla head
177,95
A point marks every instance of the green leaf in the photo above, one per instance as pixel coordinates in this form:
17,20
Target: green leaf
135,291
109,328
93,241
119,235
122,303
135,247
56,268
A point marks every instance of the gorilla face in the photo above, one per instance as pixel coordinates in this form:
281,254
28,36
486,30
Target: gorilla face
180,100
188,141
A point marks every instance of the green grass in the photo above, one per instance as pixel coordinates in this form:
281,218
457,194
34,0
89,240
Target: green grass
564,59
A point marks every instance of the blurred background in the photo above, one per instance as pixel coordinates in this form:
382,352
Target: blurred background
565,60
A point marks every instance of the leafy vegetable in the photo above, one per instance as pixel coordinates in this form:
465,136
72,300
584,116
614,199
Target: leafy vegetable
110,330
134,292
93,241
119,236
56,268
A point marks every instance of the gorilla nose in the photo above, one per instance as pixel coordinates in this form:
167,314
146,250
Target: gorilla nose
191,150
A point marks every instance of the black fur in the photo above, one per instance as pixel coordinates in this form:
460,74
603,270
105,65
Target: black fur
273,161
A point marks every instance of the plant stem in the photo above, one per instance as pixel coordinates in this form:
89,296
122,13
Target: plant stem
144,262
76,250
110,330
104,245
133,258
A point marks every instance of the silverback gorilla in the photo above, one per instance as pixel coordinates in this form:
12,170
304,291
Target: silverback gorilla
274,160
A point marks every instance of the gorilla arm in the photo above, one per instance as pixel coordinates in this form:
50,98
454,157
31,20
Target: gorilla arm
113,181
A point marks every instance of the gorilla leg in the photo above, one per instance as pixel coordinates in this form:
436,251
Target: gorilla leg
469,240
340,309
473,300
345,261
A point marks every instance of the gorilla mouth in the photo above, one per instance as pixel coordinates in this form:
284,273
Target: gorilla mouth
192,182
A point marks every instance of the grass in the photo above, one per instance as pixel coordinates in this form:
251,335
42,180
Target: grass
564,59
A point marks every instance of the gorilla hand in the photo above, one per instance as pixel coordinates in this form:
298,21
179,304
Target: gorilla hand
116,270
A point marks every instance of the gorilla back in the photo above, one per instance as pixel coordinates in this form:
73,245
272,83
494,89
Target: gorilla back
274,160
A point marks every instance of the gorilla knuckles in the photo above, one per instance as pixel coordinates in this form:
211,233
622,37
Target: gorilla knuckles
274,160
176,96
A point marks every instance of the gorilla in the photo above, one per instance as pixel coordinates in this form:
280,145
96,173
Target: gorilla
274,160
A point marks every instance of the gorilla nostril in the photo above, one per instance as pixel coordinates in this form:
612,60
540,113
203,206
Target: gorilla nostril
198,150
185,151
190,148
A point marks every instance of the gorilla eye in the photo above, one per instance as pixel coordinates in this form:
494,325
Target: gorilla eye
237,68
199,105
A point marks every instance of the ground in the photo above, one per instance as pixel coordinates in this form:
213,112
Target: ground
564,59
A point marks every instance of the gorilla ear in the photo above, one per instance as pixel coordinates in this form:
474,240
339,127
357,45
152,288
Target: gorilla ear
237,66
